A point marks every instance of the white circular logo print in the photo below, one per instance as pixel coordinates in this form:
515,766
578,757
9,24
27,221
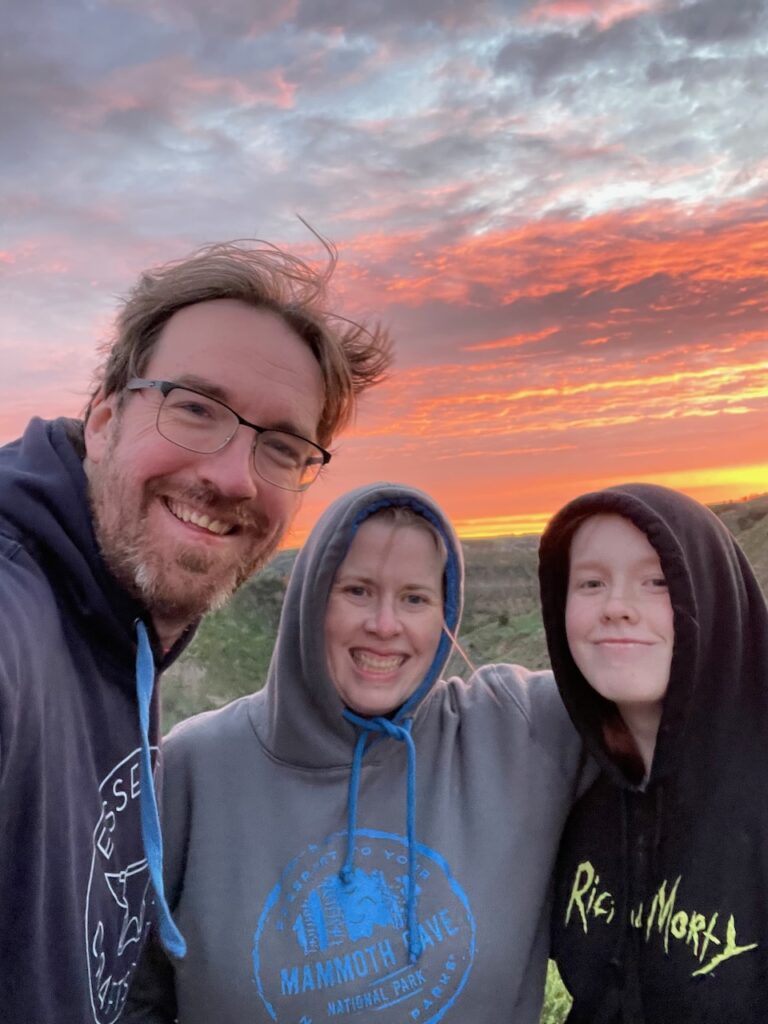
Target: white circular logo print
116,920
324,949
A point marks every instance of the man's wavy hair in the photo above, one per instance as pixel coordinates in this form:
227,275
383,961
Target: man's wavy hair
351,356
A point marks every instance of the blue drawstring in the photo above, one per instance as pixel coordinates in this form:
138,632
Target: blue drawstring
354,787
170,935
403,734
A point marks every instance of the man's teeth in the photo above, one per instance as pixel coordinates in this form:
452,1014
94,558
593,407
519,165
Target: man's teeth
188,515
377,663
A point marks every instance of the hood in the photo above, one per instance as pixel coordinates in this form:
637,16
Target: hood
717,689
304,723
44,506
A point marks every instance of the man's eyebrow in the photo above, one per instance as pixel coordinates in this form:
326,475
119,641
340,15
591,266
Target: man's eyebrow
190,380
207,387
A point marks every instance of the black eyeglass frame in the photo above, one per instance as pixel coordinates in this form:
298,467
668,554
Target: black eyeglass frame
165,387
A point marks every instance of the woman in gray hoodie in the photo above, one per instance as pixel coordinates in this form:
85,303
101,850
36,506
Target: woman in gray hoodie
361,839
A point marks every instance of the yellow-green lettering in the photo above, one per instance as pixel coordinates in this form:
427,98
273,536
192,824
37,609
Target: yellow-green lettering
730,950
582,882
636,917
603,906
709,936
679,924
696,924
662,910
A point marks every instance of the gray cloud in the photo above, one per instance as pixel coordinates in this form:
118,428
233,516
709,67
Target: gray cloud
540,57
712,21
396,16
181,122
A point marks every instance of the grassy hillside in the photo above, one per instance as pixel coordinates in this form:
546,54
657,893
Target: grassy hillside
748,521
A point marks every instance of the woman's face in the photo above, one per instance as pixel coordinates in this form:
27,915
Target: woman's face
384,616
618,615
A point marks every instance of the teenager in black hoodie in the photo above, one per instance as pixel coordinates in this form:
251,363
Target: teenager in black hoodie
661,906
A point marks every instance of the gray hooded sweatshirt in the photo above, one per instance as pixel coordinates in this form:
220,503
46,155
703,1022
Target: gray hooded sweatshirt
323,866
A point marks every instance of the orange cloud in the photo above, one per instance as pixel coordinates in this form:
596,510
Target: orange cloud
604,12
608,252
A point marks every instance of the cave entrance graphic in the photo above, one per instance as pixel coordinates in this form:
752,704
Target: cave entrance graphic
326,950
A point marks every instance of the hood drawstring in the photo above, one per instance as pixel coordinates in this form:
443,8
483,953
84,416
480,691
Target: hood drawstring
171,937
385,727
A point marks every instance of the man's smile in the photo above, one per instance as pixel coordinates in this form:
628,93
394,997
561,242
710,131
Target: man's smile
187,514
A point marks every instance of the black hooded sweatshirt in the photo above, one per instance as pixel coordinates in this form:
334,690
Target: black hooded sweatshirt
75,886
661,909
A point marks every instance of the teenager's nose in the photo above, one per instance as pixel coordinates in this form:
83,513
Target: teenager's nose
619,606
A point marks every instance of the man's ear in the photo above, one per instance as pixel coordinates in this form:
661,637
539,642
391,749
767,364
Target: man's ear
100,425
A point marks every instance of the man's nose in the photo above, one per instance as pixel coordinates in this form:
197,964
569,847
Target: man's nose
230,470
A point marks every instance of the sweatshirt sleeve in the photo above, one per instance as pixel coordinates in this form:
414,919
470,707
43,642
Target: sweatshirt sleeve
536,696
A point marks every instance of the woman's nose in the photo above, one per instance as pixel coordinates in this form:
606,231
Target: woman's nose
384,620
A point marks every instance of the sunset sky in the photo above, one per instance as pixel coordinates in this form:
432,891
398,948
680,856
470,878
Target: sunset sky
560,208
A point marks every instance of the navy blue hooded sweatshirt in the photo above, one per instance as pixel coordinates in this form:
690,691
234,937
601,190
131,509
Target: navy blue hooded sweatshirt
75,886
661,909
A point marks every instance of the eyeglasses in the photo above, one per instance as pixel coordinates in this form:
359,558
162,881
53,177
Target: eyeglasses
202,424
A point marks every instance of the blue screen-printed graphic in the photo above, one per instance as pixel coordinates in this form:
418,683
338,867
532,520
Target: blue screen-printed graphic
336,912
327,949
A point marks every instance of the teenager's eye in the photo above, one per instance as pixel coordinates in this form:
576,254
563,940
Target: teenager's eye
591,584
658,583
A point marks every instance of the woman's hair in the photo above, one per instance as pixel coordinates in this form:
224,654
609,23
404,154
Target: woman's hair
404,515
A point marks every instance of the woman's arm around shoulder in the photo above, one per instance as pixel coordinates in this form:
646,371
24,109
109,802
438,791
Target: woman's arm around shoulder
536,697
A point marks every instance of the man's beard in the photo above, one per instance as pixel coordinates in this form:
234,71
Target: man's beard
180,583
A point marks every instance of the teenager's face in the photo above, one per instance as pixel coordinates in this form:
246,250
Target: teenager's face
384,616
182,529
618,615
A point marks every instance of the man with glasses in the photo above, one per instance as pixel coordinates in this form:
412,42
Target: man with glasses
226,382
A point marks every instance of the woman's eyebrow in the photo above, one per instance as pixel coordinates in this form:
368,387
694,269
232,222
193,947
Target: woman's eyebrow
357,576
